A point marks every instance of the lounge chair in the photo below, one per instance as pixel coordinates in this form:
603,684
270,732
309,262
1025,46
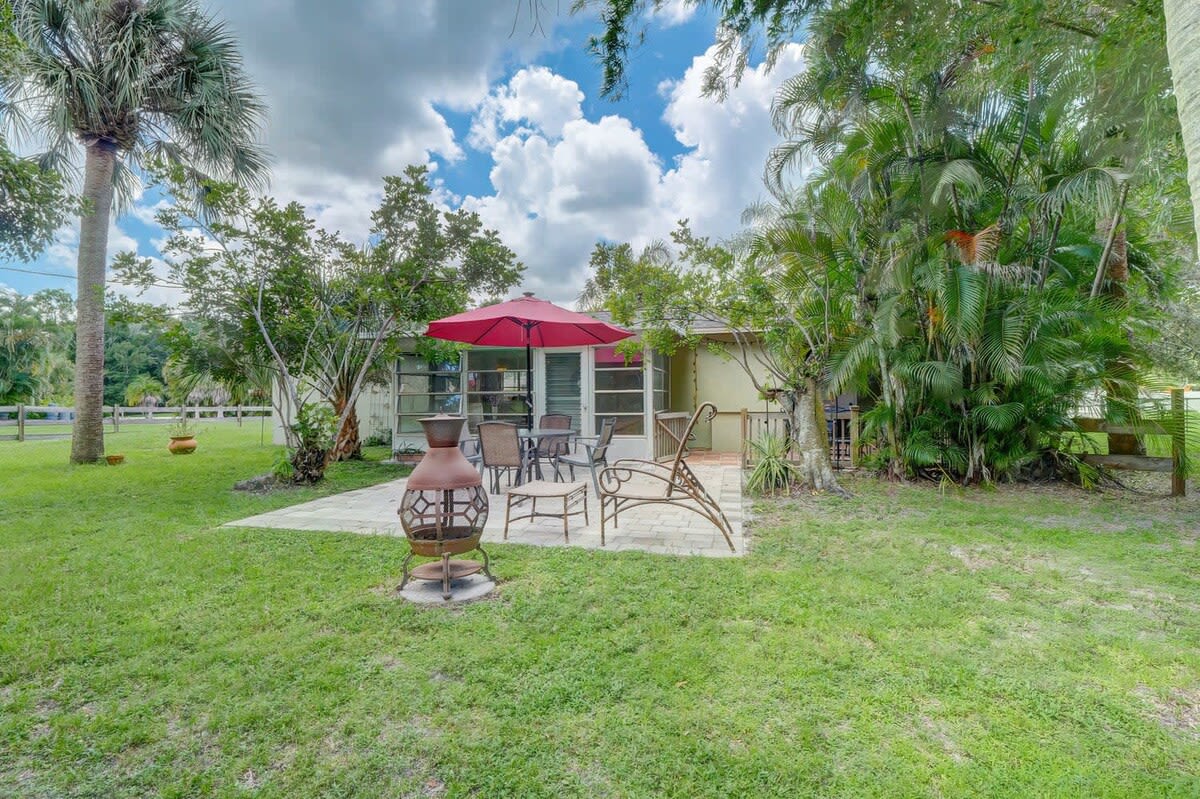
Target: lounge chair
630,482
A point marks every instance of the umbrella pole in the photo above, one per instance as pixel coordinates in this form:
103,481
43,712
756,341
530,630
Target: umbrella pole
528,380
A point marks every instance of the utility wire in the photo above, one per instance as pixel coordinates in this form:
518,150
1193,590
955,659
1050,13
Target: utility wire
73,277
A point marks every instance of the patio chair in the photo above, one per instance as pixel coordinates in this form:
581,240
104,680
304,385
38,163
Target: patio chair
629,482
469,445
593,457
501,451
549,448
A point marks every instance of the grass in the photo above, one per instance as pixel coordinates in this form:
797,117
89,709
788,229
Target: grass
905,642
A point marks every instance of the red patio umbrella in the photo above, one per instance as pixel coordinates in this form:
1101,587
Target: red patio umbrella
529,322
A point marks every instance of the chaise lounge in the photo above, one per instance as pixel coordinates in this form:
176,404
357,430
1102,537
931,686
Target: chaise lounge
630,482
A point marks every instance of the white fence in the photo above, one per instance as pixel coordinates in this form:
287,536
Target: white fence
17,421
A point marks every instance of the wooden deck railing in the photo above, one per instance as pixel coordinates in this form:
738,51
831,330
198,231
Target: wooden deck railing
20,419
843,423
668,432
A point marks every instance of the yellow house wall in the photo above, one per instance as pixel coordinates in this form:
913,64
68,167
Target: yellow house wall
705,376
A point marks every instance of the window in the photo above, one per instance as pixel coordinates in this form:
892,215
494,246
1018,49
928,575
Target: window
662,381
425,387
496,386
620,391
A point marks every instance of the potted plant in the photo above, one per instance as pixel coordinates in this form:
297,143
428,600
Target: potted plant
183,437
408,456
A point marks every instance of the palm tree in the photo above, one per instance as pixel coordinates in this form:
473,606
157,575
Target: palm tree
138,83
1183,48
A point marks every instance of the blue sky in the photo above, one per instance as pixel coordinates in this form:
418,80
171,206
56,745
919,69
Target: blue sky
513,126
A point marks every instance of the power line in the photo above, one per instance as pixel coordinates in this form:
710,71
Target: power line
73,277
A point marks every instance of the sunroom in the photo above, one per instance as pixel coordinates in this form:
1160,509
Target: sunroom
488,384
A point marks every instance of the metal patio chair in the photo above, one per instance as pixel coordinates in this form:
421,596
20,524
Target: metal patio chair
593,457
631,482
502,452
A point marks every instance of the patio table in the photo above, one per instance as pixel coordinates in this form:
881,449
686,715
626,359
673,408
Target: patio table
533,439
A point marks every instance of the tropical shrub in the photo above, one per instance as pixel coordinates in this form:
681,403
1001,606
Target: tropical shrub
772,472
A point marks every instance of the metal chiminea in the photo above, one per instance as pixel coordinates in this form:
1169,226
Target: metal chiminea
444,507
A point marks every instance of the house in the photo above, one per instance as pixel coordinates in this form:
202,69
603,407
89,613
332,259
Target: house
587,383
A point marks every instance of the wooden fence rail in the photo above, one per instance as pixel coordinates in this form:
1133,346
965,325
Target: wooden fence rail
22,418
842,426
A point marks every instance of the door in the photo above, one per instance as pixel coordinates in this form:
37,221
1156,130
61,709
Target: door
563,388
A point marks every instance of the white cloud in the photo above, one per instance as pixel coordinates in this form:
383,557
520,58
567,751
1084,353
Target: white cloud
674,12
535,95
555,197
729,142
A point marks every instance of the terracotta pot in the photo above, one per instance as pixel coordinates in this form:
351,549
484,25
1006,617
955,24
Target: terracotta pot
182,445
113,460
409,458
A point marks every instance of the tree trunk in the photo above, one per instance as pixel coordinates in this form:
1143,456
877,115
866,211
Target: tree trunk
811,442
87,435
348,445
1183,50
308,465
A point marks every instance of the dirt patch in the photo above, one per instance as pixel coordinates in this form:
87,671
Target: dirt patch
263,484
1177,709
938,732
973,559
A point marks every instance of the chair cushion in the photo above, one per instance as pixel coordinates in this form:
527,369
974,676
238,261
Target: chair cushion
546,488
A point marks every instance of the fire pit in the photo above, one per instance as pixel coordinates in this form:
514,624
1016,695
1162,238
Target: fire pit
444,508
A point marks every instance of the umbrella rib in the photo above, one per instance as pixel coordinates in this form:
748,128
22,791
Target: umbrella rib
489,330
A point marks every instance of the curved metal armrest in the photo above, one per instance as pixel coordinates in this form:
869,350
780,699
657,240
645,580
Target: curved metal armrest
643,464
613,478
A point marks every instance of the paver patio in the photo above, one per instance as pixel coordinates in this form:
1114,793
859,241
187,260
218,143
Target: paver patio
661,529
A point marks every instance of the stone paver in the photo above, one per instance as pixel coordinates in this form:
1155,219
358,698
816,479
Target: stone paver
660,529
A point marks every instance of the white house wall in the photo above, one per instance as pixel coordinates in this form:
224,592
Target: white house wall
374,406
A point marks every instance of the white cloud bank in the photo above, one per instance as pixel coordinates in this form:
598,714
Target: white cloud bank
562,182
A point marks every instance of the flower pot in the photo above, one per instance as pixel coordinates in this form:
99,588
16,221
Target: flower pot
182,445
409,458
113,460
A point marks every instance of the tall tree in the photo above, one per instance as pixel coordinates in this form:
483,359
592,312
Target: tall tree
134,82
1183,47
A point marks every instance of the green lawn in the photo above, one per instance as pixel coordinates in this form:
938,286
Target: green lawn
1007,643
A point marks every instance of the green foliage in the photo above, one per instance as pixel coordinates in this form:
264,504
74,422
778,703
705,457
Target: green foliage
142,388
35,360
33,205
133,351
381,438
33,200
282,469
772,472
182,426
284,301
160,82
315,426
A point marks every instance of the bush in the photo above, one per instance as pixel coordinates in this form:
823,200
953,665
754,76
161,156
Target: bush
772,471
315,428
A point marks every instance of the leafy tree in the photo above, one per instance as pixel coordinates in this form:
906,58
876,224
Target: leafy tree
134,82
320,313
134,352
35,366
33,201
144,389
782,317
610,266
